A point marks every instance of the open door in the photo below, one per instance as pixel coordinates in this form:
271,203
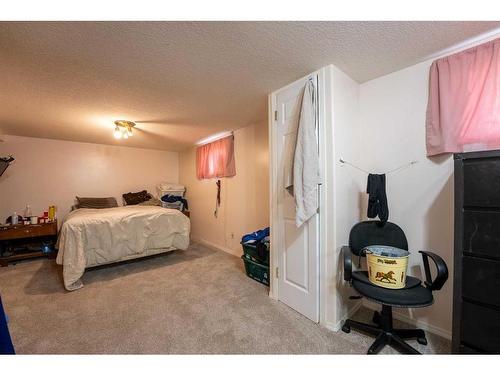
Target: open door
296,249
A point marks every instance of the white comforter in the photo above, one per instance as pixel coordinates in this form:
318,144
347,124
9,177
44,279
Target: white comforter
91,237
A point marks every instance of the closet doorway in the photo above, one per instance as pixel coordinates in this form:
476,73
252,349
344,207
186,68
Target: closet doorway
295,251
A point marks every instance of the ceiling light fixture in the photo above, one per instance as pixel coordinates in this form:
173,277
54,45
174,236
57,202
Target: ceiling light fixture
123,129
117,133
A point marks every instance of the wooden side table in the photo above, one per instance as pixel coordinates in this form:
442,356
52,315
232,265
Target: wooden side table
13,235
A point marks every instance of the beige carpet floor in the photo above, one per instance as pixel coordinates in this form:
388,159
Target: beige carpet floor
195,301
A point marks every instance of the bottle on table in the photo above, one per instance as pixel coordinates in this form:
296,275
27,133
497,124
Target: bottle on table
27,212
52,213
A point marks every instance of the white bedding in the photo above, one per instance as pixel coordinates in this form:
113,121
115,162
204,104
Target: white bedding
91,237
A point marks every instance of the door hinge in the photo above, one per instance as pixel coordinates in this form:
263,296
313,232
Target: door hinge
277,273
275,115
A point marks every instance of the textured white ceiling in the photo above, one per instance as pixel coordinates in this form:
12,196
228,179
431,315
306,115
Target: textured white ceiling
182,81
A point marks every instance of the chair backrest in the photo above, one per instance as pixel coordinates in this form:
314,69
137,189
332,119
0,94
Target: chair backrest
374,232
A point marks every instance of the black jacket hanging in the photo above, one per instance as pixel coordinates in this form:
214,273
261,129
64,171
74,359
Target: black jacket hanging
377,198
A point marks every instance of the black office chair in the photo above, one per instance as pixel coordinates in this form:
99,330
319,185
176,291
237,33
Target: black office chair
413,295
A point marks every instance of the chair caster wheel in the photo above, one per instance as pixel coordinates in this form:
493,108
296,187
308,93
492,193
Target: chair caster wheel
422,340
346,328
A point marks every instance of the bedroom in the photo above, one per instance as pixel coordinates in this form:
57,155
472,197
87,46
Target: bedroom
148,159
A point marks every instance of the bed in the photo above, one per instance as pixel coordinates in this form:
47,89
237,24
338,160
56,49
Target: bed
92,237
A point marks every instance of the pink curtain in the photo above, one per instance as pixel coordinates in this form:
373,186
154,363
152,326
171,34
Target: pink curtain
216,159
463,112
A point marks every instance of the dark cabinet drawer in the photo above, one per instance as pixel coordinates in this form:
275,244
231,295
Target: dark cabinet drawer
481,327
481,235
481,280
481,178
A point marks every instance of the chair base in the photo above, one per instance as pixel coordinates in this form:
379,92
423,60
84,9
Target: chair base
385,333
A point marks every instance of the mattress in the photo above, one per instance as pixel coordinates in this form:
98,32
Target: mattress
92,237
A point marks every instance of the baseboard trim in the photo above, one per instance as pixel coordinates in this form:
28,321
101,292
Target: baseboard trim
415,322
213,246
349,313
335,327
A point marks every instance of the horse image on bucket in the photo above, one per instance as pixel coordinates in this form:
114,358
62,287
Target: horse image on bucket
387,266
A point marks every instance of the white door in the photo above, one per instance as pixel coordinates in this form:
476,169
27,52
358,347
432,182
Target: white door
298,248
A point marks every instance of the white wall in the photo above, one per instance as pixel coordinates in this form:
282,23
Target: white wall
392,120
53,172
244,197
347,184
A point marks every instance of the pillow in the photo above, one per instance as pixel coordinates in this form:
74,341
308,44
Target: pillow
109,202
136,198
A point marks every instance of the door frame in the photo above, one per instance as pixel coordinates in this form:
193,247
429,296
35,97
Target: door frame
325,134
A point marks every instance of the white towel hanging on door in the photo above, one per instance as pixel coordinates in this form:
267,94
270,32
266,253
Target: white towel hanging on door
306,168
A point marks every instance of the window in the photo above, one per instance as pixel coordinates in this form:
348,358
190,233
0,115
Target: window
463,113
216,159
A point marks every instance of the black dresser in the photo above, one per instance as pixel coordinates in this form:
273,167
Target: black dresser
476,286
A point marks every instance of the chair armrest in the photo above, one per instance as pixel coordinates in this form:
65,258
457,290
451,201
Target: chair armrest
347,255
442,270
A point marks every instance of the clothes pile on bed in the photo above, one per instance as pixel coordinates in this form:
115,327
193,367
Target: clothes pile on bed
175,201
142,198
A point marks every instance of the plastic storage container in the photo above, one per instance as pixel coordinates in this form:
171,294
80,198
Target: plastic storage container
387,266
172,189
172,205
250,251
256,271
